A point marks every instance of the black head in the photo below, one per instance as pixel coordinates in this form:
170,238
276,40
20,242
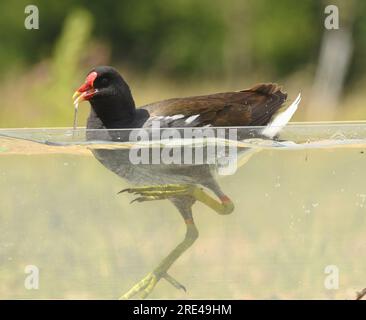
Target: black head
109,96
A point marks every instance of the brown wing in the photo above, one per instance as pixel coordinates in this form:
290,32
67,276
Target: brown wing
250,107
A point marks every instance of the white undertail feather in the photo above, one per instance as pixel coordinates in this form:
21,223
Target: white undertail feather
280,120
274,127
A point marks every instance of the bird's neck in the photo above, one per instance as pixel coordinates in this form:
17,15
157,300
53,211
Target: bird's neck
112,114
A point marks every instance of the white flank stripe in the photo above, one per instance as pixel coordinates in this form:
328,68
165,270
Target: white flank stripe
282,119
191,118
176,117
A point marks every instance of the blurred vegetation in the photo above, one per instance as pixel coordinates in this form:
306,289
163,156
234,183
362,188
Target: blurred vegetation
62,213
165,49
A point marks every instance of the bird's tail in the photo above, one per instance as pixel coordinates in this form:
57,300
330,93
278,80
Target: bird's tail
271,130
281,119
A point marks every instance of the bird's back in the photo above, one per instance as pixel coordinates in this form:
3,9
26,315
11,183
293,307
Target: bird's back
251,107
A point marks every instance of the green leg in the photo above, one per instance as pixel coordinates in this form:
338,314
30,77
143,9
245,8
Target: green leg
174,191
147,284
160,192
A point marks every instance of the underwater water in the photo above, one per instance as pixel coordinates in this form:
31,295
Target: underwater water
298,230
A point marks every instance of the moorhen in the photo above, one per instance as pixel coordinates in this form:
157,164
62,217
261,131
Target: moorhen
112,107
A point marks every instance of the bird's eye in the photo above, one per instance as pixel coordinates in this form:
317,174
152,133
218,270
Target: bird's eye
104,81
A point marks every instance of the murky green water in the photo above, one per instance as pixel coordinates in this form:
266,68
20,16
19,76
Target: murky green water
300,210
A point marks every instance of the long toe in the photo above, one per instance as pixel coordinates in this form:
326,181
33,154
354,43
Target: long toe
160,192
143,287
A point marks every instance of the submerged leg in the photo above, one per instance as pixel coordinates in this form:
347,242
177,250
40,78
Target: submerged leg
168,191
147,284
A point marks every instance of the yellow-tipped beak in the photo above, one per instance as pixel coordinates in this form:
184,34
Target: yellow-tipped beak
86,91
76,95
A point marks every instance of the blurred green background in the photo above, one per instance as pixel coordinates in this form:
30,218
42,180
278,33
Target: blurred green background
167,48
296,212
